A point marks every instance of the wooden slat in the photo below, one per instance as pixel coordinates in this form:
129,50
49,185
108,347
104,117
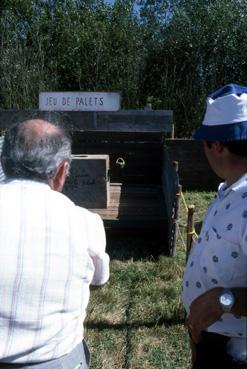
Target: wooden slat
133,203
122,121
117,137
143,161
135,121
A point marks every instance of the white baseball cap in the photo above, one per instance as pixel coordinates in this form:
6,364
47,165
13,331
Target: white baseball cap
226,115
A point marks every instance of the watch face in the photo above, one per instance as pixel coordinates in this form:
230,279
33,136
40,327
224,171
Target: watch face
226,299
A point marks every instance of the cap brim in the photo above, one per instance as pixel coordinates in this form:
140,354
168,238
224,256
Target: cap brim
224,132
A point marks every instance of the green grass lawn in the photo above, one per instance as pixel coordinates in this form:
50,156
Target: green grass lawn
136,321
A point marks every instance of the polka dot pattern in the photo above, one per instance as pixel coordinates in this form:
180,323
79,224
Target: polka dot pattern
219,257
215,259
245,214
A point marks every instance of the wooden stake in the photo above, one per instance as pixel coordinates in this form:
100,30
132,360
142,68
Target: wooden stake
175,221
190,229
173,132
175,165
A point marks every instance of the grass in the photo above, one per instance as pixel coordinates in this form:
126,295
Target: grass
136,321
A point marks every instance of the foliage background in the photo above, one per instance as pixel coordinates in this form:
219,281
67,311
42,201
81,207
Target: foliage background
171,53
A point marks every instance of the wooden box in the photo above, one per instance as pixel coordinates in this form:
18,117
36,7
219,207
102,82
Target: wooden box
142,184
88,182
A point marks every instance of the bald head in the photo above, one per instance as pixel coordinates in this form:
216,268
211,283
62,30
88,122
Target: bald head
34,149
40,127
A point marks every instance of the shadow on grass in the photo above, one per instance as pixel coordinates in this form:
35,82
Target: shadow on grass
135,324
136,244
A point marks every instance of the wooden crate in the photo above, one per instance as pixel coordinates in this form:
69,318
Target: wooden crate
143,190
143,181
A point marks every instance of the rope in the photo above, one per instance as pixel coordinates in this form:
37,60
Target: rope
181,237
191,233
184,201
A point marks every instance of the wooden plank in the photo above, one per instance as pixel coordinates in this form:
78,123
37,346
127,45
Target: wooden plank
117,137
123,121
72,120
142,161
133,203
87,184
135,121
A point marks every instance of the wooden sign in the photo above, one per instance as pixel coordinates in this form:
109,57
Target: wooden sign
88,182
79,101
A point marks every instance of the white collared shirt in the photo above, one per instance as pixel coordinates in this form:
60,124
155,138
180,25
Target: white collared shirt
219,257
2,176
50,252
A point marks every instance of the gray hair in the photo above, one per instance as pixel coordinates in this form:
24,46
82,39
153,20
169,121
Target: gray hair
28,155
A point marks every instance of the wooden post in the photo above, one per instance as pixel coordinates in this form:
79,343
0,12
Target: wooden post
175,221
190,229
148,106
173,132
175,165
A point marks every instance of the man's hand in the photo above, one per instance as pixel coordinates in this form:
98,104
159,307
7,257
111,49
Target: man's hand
204,311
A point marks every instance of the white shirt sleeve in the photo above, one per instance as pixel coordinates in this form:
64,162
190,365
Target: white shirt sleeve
2,176
96,248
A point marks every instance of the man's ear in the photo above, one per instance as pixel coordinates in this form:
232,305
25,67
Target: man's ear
57,182
218,147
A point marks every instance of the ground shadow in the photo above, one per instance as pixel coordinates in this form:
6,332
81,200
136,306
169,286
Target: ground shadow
136,244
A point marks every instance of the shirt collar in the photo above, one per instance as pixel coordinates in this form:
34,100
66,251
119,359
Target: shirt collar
224,189
30,182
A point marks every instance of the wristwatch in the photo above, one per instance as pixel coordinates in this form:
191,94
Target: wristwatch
226,300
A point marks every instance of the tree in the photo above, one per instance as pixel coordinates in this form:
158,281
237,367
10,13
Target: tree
171,52
201,48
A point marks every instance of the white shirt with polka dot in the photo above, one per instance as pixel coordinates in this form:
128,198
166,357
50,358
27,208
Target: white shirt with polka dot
219,257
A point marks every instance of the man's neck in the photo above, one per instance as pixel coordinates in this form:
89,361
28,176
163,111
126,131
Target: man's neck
236,171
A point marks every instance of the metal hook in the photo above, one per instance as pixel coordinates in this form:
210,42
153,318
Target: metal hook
120,162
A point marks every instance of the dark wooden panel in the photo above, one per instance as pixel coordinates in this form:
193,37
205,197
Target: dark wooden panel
117,137
135,120
143,161
123,121
72,120
194,170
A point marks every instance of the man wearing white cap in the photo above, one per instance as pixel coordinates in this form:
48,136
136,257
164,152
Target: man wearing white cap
214,289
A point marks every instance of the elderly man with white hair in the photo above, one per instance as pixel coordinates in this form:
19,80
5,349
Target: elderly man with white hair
214,289
51,251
